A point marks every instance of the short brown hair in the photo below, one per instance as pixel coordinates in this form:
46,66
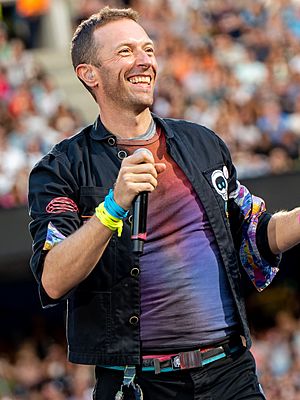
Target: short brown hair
83,46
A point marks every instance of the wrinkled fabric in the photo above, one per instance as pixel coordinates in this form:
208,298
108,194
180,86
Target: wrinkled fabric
259,271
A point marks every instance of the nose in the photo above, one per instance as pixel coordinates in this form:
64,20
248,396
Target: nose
144,59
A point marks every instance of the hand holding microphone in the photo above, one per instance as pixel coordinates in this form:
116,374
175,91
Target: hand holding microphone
139,217
137,177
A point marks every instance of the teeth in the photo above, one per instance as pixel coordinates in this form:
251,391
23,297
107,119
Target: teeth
140,79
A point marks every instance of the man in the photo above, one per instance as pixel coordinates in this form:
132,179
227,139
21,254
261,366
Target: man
168,324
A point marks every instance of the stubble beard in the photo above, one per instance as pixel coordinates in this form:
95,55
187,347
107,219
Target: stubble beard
123,98
131,101
139,103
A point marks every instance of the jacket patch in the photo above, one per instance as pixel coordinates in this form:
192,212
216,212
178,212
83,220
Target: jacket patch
219,182
61,204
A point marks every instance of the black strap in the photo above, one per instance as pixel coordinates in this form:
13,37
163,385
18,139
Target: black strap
194,358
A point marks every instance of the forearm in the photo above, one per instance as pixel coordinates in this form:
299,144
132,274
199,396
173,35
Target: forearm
284,230
72,260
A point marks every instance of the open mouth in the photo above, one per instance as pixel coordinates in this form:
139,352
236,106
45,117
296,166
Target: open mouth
140,79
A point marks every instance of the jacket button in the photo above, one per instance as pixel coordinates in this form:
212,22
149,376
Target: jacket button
134,320
135,272
122,154
111,141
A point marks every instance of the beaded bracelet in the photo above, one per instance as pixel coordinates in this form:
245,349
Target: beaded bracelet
108,220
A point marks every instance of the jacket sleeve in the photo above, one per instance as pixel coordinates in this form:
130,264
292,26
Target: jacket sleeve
249,221
54,212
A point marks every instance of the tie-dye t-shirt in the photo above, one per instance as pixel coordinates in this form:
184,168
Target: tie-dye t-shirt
185,295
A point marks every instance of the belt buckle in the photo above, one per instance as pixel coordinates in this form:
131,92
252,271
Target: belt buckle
187,360
176,362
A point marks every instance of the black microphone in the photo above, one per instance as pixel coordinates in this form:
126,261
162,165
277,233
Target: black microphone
139,218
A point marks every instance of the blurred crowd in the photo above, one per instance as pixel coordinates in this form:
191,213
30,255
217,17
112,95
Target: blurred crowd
34,115
231,65
35,372
277,354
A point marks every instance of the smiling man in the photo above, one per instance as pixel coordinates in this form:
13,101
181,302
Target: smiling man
170,322
120,72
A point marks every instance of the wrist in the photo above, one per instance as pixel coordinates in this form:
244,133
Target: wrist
113,208
108,220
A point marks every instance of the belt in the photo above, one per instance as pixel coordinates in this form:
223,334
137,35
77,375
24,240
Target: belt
187,359
190,359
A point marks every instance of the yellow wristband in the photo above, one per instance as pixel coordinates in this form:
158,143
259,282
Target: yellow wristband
108,220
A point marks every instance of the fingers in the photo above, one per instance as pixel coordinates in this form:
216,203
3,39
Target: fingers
145,158
139,169
140,178
160,167
140,156
137,178
138,174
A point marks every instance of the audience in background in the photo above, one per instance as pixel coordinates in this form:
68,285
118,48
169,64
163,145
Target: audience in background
29,16
41,372
32,374
277,354
231,65
33,116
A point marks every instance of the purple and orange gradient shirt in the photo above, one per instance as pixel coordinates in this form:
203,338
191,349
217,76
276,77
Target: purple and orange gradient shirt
185,296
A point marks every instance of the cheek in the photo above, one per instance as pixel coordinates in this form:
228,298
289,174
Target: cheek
155,67
117,64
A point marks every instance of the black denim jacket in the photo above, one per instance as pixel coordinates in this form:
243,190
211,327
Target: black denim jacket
103,311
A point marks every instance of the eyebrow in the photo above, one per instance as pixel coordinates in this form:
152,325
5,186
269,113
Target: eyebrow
129,43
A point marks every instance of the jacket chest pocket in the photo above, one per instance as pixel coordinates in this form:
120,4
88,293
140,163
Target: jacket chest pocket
89,198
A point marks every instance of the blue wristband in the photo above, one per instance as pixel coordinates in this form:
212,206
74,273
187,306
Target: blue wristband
113,208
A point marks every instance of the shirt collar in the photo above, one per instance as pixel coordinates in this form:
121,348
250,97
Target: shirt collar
100,133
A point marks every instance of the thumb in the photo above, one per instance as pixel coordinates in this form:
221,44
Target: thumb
160,167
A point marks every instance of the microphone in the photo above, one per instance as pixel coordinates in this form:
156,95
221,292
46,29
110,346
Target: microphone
139,221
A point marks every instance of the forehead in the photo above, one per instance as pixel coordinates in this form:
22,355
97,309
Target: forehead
120,32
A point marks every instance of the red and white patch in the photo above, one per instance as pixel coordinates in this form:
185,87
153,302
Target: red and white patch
61,204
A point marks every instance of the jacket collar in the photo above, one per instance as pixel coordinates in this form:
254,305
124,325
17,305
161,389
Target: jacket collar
100,133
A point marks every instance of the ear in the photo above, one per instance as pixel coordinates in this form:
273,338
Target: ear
86,73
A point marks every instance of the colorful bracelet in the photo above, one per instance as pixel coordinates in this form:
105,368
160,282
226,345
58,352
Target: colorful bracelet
113,208
108,220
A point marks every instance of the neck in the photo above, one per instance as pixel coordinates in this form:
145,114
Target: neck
127,125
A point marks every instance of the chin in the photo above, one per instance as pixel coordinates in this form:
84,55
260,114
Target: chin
142,104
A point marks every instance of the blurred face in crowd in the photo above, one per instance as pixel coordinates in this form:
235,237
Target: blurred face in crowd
127,66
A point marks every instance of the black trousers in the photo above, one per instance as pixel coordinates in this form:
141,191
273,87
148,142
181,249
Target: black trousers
233,378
